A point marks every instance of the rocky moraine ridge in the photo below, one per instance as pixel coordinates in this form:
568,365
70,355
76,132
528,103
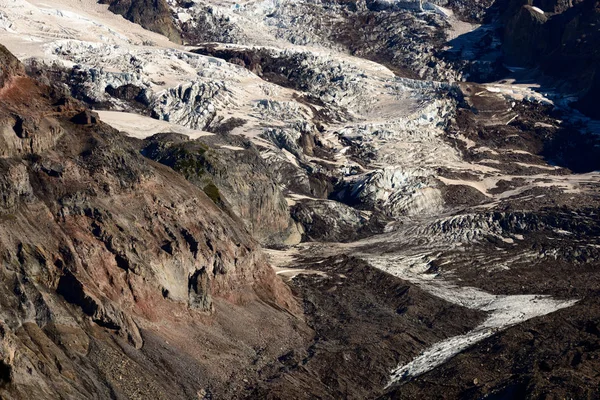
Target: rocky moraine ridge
299,199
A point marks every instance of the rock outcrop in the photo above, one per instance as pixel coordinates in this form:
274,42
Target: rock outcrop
562,39
233,175
328,220
154,15
11,67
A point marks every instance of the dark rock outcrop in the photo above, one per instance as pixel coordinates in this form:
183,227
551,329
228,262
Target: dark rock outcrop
328,220
526,37
154,15
86,117
562,40
10,67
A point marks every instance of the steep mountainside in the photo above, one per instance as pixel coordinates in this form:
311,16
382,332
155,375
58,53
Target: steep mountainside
124,279
104,252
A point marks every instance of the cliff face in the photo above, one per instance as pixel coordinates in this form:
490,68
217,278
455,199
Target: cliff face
560,38
115,268
154,15
231,171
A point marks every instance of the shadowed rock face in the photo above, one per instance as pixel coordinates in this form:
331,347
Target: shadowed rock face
117,275
154,15
587,104
525,37
563,42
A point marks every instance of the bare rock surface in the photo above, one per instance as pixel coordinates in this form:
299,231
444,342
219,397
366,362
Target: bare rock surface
103,250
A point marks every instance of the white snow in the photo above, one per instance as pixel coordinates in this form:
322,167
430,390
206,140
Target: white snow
504,311
291,273
141,127
537,10
234,148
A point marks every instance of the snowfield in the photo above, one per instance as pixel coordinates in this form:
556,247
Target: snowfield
141,127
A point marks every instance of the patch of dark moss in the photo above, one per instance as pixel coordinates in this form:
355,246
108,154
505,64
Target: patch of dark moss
187,158
212,191
188,164
192,159
227,126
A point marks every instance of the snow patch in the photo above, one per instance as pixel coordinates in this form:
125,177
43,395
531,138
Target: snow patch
141,127
537,10
503,311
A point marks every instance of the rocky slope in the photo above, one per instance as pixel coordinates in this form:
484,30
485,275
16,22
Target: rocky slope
123,280
232,173
111,261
